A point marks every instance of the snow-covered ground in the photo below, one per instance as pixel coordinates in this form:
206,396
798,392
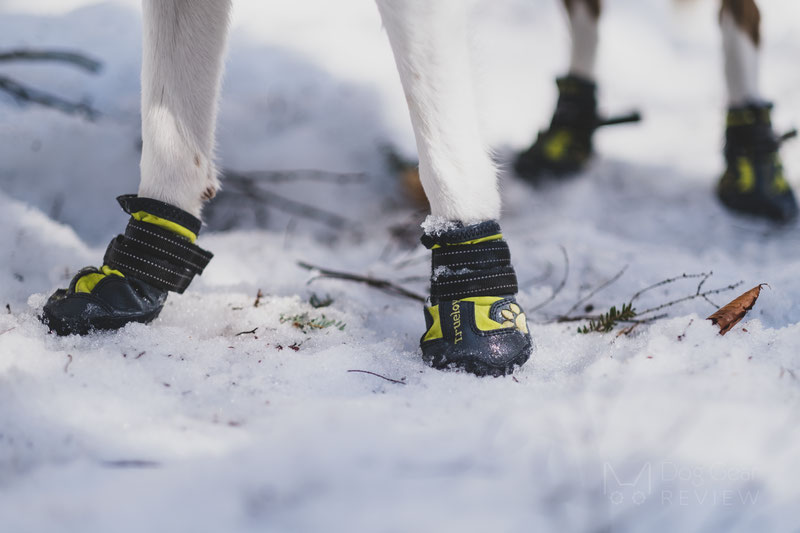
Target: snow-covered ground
184,425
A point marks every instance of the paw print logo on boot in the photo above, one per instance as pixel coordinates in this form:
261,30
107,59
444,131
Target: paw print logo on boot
514,317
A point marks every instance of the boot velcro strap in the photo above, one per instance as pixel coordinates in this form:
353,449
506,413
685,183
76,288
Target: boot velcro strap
491,282
156,256
491,254
132,203
153,240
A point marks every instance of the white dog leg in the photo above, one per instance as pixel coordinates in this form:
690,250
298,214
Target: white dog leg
740,23
429,41
583,23
182,60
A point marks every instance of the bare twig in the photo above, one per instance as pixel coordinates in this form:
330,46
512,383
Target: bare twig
378,375
73,58
548,271
704,275
130,463
382,284
248,187
596,290
24,94
691,297
639,317
69,362
579,318
259,295
560,286
250,332
301,174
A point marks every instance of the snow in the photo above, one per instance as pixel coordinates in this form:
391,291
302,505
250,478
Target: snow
187,425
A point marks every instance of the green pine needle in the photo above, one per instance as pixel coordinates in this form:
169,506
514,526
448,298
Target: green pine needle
304,322
607,321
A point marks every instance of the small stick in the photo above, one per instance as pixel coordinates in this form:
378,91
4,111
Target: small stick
596,290
382,284
671,280
251,332
378,375
560,286
69,362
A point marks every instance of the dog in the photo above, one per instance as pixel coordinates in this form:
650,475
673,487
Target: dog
473,320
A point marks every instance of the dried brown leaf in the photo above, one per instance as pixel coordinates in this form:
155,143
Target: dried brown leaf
729,315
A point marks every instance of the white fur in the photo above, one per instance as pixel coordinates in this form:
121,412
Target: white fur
184,43
429,41
583,28
182,60
741,62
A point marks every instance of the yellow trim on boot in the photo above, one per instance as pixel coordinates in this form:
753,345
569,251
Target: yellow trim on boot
556,146
495,237
144,216
779,183
88,282
747,176
482,307
435,332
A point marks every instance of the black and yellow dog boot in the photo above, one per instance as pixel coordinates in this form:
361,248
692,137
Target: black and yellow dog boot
567,145
473,321
753,182
156,255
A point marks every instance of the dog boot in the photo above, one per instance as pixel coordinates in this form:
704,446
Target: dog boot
156,255
473,321
566,146
753,182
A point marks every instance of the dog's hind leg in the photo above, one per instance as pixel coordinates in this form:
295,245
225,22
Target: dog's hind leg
583,29
753,181
566,146
740,23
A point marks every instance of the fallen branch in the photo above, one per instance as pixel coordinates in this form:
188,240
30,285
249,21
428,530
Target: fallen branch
378,375
248,187
73,58
382,284
23,94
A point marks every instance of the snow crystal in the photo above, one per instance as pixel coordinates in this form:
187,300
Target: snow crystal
436,225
